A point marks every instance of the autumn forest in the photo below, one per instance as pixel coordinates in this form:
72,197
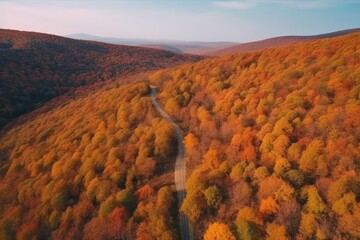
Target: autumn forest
272,141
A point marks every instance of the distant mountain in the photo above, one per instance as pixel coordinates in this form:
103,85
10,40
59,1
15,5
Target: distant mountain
163,47
121,41
36,67
202,47
190,47
275,42
198,48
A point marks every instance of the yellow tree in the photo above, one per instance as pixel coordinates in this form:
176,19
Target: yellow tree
276,232
211,159
314,203
218,231
350,223
308,225
190,141
311,157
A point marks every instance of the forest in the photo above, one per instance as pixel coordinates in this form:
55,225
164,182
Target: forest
99,174
272,150
272,141
35,67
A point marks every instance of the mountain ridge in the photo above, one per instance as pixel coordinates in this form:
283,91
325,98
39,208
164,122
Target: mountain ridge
271,144
277,42
36,67
190,47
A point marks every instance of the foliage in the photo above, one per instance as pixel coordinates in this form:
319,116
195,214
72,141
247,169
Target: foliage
84,180
276,130
272,149
218,231
213,197
35,67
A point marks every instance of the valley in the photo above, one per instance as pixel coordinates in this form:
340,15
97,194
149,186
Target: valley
36,68
107,141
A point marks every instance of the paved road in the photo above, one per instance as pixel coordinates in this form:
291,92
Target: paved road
180,168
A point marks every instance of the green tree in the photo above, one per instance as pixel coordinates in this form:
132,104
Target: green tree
295,177
213,196
193,207
126,198
245,230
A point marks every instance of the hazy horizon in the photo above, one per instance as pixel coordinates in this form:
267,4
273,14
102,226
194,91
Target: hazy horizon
208,20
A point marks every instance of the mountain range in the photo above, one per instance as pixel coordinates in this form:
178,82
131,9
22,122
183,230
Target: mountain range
90,144
212,48
276,42
190,47
35,67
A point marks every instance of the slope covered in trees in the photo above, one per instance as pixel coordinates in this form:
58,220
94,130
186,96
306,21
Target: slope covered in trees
276,42
272,141
272,145
35,68
98,167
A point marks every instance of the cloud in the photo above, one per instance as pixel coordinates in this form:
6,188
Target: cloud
236,4
304,4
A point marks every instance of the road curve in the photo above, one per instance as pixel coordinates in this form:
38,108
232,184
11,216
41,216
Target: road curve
180,168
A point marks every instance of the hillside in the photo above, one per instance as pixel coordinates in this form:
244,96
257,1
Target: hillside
98,167
276,42
35,67
272,140
271,143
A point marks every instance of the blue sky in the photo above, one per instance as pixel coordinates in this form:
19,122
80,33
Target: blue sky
202,20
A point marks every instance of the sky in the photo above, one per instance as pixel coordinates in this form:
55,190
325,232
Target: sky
190,20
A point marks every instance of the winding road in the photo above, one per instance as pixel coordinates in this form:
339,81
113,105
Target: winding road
180,168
